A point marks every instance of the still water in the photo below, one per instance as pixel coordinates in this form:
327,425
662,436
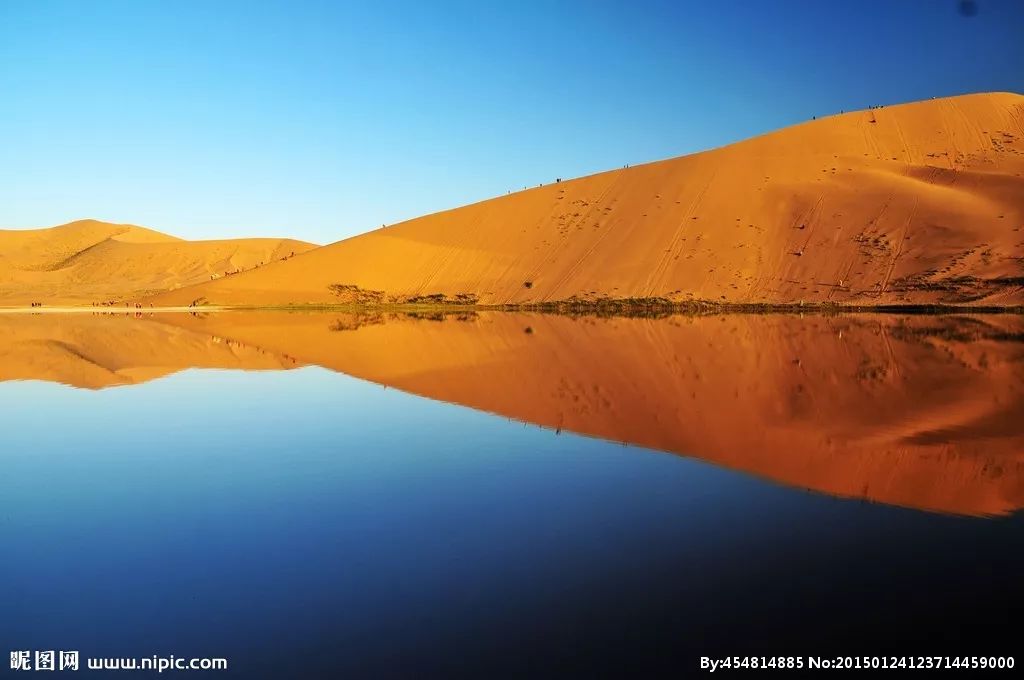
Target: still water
317,495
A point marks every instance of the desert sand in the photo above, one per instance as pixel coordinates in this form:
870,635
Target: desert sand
90,261
917,203
917,411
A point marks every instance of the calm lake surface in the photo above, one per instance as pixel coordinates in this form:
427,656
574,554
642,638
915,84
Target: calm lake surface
311,495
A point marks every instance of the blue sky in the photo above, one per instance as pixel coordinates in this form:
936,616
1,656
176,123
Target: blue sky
320,120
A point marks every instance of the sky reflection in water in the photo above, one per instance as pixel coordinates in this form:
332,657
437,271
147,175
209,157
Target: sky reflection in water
307,521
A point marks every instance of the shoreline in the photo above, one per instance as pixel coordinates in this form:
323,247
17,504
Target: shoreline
73,309
610,308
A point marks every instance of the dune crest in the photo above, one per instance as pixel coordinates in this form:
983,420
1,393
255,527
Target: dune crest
908,204
90,261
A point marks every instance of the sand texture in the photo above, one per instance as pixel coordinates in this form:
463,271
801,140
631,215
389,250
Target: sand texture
89,261
918,203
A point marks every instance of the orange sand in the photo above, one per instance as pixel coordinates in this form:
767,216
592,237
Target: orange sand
89,261
916,203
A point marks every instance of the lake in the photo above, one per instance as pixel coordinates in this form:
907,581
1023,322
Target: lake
485,494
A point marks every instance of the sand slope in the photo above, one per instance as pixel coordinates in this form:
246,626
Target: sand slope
89,261
915,203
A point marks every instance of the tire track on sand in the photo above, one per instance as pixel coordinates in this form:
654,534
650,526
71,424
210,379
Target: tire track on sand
574,267
899,248
666,259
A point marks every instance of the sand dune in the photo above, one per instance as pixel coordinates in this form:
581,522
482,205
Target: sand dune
922,412
915,203
90,261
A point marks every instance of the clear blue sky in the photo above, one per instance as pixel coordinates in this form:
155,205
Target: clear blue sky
320,120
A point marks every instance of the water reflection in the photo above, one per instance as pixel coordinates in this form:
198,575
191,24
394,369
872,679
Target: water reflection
918,411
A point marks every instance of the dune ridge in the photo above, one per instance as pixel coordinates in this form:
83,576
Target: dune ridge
919,203
89,261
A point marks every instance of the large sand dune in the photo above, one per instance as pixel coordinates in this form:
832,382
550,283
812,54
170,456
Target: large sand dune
916,203
90,261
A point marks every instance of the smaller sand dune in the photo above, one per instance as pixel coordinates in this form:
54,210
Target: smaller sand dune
89,261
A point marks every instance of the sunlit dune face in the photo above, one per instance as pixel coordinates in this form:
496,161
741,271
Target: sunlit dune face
911,204
91,263
917,411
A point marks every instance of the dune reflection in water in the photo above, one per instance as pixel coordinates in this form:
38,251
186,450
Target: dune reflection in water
917,411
